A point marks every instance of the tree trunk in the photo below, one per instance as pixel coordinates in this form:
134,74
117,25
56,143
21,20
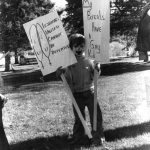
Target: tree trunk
16,58
7,63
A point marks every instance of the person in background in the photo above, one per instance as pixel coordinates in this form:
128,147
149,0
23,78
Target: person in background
80,78
143,36
3,140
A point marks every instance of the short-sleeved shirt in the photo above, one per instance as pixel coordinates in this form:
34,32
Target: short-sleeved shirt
80,75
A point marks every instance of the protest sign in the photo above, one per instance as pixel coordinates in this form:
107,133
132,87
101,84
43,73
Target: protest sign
50,43
96,16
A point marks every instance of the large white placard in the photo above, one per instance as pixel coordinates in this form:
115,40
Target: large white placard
96,16
49,42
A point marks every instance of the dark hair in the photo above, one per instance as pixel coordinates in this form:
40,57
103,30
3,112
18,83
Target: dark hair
76,39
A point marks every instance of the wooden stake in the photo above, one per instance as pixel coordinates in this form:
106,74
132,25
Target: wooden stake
1,81
95,99
76,106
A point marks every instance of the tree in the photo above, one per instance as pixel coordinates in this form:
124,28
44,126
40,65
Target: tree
73,22
13,14
124,16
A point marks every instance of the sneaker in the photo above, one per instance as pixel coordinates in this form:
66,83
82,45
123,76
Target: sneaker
79,140
75,141
99,143
104,148
71,138
96,143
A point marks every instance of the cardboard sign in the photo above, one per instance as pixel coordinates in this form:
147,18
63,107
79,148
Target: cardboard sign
96,15
50,43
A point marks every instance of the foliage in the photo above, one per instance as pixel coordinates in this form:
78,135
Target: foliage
74,20
124,16
13,15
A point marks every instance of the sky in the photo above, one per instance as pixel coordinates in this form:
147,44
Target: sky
60,3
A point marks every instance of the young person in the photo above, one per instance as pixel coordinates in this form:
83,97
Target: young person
80,79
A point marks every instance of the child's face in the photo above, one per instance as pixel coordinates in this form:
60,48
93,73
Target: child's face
78,50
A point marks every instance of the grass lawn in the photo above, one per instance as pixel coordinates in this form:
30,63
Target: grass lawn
39,116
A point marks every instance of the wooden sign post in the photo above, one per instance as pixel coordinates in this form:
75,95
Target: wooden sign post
96,16
76,107
95,99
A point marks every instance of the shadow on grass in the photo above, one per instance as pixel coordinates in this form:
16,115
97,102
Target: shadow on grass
127,131
21,78
60,142
143,147
49,143
123,67
37,87
53,143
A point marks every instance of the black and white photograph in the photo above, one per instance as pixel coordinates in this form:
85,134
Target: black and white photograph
74,74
